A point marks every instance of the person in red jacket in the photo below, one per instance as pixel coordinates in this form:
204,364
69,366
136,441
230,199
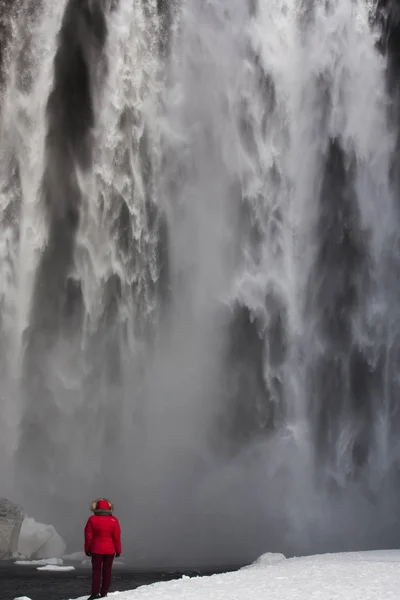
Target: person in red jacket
102,543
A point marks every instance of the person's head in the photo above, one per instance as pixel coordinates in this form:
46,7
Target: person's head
102,506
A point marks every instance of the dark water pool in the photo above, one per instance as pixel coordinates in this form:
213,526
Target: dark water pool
16,580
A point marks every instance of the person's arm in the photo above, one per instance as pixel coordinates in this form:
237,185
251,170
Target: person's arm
116,536
88,536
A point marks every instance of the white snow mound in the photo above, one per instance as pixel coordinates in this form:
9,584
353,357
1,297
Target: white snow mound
37,540
269,558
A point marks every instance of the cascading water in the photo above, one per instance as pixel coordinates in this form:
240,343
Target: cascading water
199,260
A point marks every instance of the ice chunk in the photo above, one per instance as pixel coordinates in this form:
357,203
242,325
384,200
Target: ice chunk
37,540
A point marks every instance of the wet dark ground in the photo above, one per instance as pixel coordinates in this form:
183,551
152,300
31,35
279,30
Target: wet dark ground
16,580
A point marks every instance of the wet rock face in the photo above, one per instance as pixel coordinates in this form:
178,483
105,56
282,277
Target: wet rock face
11,517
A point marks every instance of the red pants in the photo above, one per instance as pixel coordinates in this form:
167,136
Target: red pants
101,566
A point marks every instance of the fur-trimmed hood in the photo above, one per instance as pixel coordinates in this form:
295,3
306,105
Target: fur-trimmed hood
102,506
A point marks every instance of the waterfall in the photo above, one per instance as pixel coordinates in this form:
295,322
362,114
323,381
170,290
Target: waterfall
199,310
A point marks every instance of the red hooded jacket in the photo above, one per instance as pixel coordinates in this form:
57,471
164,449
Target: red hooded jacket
103,532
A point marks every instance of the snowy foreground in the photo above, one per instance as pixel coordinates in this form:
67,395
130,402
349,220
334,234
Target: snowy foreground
352,576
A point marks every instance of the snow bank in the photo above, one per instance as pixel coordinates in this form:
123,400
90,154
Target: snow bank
362,576
37,540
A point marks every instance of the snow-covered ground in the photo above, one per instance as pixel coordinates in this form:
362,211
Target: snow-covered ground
352,576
